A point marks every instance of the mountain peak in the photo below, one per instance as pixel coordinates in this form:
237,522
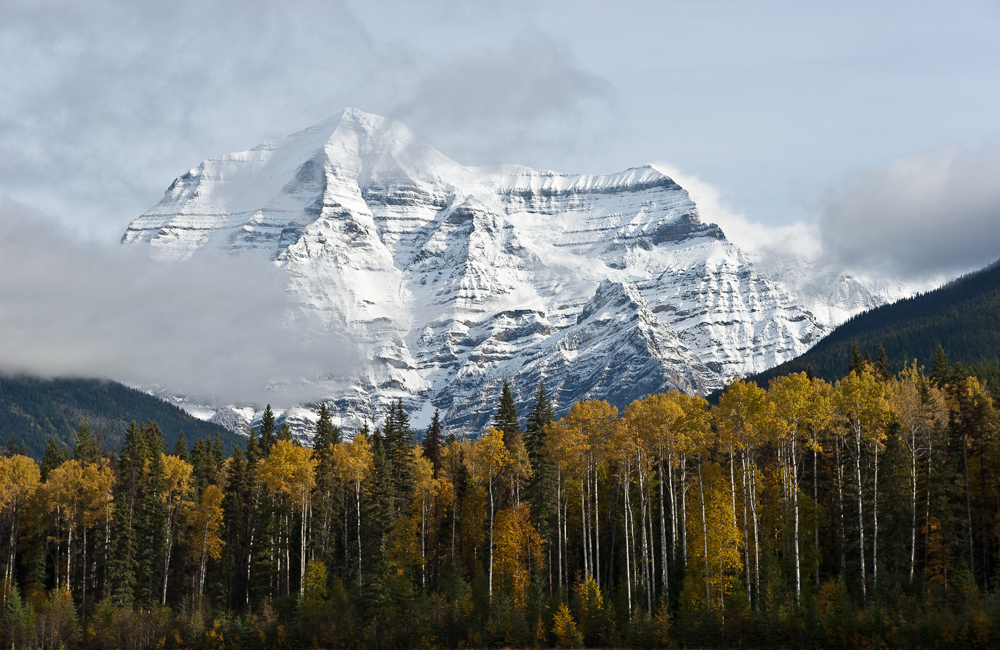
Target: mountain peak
451,278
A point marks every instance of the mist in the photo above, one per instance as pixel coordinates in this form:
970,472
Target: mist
221,329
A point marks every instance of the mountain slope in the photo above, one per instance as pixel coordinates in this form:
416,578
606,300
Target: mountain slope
962,316
33,411
452,278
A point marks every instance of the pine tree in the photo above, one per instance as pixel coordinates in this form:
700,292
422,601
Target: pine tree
505,419
432,442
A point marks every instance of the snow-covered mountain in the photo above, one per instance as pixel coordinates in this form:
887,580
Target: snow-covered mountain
452,278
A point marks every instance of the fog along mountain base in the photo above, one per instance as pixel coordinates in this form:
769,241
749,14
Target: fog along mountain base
451,278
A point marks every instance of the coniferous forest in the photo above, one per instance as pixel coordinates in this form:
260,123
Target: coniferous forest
859,513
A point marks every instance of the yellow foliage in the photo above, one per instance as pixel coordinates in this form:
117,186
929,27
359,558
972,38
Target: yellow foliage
564,627
19,478
290,469
206,522
518,548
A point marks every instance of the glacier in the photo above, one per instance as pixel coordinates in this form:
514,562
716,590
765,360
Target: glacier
452,278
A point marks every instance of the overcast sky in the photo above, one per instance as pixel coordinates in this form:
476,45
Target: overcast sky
872,127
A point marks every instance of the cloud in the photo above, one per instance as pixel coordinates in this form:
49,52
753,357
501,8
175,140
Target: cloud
104,102
774,247
510,102
221,328
935,212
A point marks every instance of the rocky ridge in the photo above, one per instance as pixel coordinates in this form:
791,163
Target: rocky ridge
452,278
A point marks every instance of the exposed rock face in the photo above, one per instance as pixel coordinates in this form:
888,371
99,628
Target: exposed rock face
452,278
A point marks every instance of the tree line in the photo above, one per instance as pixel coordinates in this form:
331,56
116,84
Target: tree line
807,513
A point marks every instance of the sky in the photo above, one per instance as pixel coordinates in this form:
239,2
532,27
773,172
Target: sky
864,134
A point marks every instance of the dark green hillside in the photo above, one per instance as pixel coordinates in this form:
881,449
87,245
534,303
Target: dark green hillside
32,411
963,317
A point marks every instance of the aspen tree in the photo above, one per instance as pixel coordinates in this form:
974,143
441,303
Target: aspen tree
860,404
290,469
491,458
353,461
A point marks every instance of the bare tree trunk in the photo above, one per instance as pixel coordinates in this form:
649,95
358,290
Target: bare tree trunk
597,531
683,522
357,497
663,532
166,555
303,539
840,500
816,507
490,481
704,533
875,524
795,502
559,520
861,519
746,531
628,568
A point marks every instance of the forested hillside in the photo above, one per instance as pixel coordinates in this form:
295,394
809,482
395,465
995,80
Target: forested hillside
961,316
860,513
34,411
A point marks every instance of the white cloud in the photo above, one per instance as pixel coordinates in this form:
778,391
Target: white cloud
219,329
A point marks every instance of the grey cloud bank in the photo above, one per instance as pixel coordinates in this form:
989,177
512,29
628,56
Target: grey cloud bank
936,212
221,329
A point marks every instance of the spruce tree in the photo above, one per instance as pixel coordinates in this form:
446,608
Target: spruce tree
941,368
432,441
267,437
398,439
86,450
882,369
327,491
55,455
181,447
541,489
505,419
857,363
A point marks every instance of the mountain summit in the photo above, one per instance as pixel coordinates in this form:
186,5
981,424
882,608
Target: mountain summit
452,278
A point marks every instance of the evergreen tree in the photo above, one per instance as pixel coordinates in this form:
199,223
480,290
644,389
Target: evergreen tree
181,447
398,440
139,516
267,437
810,375
326,432
941,369
857,363
432,441
285,432
882,369
505,418
542,486
86,449
327,492
55,455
